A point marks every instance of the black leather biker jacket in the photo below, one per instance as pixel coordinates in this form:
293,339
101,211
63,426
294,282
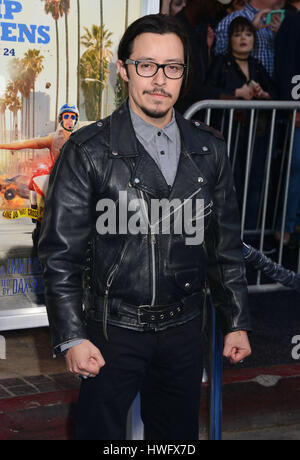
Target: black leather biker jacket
115,275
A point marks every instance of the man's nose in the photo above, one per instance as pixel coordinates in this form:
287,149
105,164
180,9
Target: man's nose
160,78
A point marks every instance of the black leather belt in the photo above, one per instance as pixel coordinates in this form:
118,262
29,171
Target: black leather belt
145,316
152,314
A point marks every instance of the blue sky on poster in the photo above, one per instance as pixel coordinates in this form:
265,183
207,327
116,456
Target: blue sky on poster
31,13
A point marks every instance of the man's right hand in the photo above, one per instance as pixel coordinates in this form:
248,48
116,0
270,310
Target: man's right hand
84,359
258,19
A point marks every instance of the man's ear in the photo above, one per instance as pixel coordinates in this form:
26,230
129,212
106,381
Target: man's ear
122,70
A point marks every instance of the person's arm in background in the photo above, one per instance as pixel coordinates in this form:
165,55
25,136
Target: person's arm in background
258,20
221,37
37,143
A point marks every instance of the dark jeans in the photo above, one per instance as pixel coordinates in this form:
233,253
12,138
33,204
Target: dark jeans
165,367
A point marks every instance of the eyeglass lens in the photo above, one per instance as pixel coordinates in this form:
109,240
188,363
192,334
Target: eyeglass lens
148,69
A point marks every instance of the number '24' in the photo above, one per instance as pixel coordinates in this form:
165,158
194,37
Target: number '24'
8,52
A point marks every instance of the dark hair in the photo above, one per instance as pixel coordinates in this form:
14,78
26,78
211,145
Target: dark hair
156,24
240,24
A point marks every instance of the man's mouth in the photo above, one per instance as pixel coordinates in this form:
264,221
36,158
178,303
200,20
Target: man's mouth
158,93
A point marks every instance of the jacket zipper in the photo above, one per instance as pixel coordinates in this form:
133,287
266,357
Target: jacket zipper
109,281
153,243
153,240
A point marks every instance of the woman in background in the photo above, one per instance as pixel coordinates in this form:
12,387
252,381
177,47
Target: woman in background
238,75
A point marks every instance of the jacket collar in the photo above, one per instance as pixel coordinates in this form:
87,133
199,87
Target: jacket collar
146,175
123,141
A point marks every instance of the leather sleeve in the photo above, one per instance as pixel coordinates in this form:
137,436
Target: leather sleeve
226,268
65,233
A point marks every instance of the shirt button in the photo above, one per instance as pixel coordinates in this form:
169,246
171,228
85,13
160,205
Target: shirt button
162,152
159,133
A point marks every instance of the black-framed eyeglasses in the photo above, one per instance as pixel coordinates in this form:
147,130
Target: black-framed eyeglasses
148,69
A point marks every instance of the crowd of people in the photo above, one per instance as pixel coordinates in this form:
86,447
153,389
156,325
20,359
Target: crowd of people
246,50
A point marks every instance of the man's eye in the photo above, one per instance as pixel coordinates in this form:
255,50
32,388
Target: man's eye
174,68
146,65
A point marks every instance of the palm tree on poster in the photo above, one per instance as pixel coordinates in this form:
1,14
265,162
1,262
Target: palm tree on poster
120,88
24,85
33,64
65,6
78,54
13,104
19,74
53,7
91,79
59,8
15,70
2,120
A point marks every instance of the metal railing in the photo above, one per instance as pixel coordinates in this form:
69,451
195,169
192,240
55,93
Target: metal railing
236,132
215,422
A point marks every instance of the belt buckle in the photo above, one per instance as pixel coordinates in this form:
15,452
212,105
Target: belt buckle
139,313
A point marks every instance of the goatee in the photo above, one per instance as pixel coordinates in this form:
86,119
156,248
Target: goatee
154,113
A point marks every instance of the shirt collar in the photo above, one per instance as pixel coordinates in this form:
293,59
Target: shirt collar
147,131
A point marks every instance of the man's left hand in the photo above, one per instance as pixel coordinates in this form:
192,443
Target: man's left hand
275,23
236,346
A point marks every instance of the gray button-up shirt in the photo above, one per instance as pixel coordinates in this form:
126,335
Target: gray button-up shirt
162,144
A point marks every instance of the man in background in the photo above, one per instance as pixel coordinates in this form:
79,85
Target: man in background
255,11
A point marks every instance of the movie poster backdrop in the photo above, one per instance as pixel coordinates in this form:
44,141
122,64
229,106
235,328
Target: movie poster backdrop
52,52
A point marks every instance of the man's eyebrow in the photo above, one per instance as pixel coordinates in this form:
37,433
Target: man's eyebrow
146,58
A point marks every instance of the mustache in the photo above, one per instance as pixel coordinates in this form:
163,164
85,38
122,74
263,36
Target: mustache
158,91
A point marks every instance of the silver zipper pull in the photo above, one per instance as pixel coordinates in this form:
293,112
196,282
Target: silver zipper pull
105,310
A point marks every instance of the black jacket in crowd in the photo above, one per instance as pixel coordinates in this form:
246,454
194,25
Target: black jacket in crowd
126,273
199,88
287,55
225,76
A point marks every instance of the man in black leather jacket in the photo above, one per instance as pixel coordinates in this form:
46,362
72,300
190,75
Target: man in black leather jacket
140,211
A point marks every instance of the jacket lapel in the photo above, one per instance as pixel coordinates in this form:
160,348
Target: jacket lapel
190,177
146,175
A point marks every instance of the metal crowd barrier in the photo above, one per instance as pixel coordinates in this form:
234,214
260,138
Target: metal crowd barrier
231,129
